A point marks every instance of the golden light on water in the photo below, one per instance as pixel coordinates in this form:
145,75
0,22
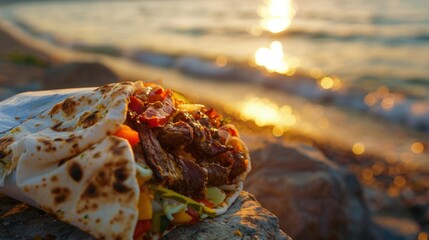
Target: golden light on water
417,147
277,15
221,61
326,83
384,98
273,58
264,112
358,148
370,99
387,103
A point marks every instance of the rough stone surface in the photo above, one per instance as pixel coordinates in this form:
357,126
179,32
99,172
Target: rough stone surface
246,219
312,197
78,74
19,221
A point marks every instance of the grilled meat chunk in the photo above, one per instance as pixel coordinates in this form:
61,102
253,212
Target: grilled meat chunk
183,176
216,174
175,135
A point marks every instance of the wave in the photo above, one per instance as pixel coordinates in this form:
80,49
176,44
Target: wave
390,105
399,37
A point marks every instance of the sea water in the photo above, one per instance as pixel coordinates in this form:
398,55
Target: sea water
329,68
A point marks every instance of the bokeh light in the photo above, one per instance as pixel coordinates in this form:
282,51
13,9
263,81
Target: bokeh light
358,148
221,61
417,147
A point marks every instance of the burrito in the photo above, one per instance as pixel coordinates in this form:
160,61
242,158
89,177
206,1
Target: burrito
128,160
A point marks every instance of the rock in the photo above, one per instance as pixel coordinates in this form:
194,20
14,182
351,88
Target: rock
246,217
78,74
312,197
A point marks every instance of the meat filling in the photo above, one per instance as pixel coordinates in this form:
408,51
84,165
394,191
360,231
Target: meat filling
183,149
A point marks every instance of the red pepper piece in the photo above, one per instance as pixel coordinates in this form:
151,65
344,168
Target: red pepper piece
136,105
233,132
142,227
194,214
206,202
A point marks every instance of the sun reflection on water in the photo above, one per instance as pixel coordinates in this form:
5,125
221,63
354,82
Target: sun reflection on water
277,15
265,112
273,59
384,98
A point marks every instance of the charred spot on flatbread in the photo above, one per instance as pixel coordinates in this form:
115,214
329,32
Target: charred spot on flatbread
88,119
55,109
116,149
54,178
100,180
121,174
91,191
62,161
4,143
103,177
48,146
57,128
73,138
69,106
75,171
60,194
104,89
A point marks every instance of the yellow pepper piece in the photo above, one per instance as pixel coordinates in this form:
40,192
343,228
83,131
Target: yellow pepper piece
140,179
145,204
181,217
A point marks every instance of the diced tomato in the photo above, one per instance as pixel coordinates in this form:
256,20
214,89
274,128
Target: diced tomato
206,202
194,214
142,227
136,105
129,134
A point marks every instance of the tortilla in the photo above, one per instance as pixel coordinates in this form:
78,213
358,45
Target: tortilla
67,162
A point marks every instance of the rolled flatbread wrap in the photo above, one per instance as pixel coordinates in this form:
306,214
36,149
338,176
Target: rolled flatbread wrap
128,160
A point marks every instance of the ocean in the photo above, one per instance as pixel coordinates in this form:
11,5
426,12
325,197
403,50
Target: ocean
353,71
